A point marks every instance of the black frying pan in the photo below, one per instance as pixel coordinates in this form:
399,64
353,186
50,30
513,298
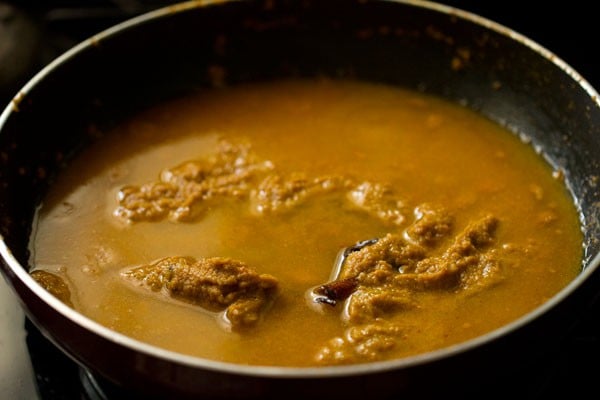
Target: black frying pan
170,52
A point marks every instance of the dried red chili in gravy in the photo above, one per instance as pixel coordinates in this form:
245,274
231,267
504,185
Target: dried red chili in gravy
202,225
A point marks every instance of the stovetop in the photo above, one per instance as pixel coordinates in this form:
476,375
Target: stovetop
33,32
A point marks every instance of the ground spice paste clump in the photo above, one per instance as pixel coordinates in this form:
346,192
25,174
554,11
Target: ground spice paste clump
212,225
383,279
217,284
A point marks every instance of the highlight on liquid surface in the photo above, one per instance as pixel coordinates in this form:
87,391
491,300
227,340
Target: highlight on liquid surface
211,225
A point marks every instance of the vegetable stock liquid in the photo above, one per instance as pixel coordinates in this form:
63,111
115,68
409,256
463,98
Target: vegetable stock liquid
422,150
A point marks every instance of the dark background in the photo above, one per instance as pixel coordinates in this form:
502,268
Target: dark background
34,32
566,28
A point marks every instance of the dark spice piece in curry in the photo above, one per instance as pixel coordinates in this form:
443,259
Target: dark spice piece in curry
332,292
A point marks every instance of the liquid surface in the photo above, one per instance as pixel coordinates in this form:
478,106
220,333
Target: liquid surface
326,149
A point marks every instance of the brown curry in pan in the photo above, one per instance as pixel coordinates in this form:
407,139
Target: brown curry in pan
211,225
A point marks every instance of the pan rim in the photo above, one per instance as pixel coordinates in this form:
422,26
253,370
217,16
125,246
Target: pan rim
18,270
